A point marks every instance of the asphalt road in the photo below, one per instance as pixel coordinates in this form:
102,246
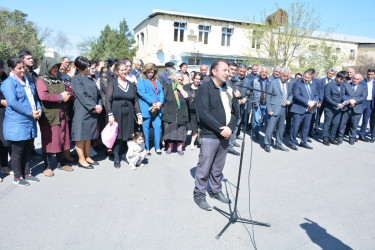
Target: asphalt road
313,199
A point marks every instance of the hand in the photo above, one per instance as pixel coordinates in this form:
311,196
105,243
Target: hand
237,94
339,106
226,132
352,102
139,119
179,87
288,103
3,102
111,120
65,96
139,155
35,115
270,113
38,113
98,109
157,105
243,101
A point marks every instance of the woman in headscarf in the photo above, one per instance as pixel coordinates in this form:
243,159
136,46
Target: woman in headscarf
53,94
175,113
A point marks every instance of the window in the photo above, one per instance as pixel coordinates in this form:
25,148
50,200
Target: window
255,41
312,49
194,61
203,33
142,38
179,29
352,53
225,36
338,50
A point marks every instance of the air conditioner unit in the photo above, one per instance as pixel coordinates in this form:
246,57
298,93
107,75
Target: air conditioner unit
173,57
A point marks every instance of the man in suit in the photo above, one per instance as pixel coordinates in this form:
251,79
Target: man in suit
305,97
137,69
356,93
367,105
275,73
163,76
276,108
333,98
254,72
203,69
322,83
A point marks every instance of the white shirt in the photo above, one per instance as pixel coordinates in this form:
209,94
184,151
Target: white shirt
369,88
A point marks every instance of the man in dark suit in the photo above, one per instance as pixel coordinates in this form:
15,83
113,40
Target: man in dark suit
368,105
305,97
356,93
333,98
276,108
163,76
322,83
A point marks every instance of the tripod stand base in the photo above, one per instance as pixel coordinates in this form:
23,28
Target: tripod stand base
233,218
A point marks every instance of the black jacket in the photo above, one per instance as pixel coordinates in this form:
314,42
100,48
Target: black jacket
210,110
171,112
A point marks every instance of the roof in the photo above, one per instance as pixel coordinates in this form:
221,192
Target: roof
315,34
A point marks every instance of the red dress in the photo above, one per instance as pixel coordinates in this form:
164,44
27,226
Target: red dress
56,137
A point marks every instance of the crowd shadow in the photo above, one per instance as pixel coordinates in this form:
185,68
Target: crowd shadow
320,237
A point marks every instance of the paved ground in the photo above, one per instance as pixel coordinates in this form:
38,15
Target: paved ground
319,199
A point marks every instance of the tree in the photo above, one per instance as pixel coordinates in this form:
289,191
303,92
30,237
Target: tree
16,33
62,43
116,43
280,37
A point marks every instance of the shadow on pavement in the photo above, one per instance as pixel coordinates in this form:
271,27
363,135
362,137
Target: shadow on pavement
320,237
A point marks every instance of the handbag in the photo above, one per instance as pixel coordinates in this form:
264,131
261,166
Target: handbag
153,114
109,134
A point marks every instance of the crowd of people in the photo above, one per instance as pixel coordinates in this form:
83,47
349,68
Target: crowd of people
73,101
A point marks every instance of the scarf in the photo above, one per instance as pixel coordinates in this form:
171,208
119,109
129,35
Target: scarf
175,91
28,91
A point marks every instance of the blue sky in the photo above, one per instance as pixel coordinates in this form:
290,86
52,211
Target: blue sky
82,19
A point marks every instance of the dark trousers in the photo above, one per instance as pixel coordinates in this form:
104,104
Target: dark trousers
319,112
20,157
120,148
212,155
297,121
4,156
366,107
276,121
372,124
331,124
354,118
288,119
47,158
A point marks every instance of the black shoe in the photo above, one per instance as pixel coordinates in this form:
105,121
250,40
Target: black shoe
363,139
158,151
339,140
239,137
87,167
335,142
356,140
148,154
281,148
267,148
305,145
372,140
202,203
294,147
351,142
117,164
309,140
236,144
326,142
233,152
220,196
95,163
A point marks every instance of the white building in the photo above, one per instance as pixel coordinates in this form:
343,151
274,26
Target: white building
195,39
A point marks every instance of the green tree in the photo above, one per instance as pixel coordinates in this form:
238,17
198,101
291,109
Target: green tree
278,38
16,33
116,43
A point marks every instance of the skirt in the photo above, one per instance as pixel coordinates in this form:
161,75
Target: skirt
174,132
193,123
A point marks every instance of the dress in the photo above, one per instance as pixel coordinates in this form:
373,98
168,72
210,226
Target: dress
123,104
193,120
85,122
54,137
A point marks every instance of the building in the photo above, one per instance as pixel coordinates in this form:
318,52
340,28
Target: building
195,39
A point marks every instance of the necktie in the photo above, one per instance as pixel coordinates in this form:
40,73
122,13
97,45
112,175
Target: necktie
284,94
308,91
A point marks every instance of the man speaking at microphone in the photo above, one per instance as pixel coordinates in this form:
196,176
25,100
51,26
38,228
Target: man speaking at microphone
217,111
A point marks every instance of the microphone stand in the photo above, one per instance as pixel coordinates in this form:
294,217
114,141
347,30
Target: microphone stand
233,215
